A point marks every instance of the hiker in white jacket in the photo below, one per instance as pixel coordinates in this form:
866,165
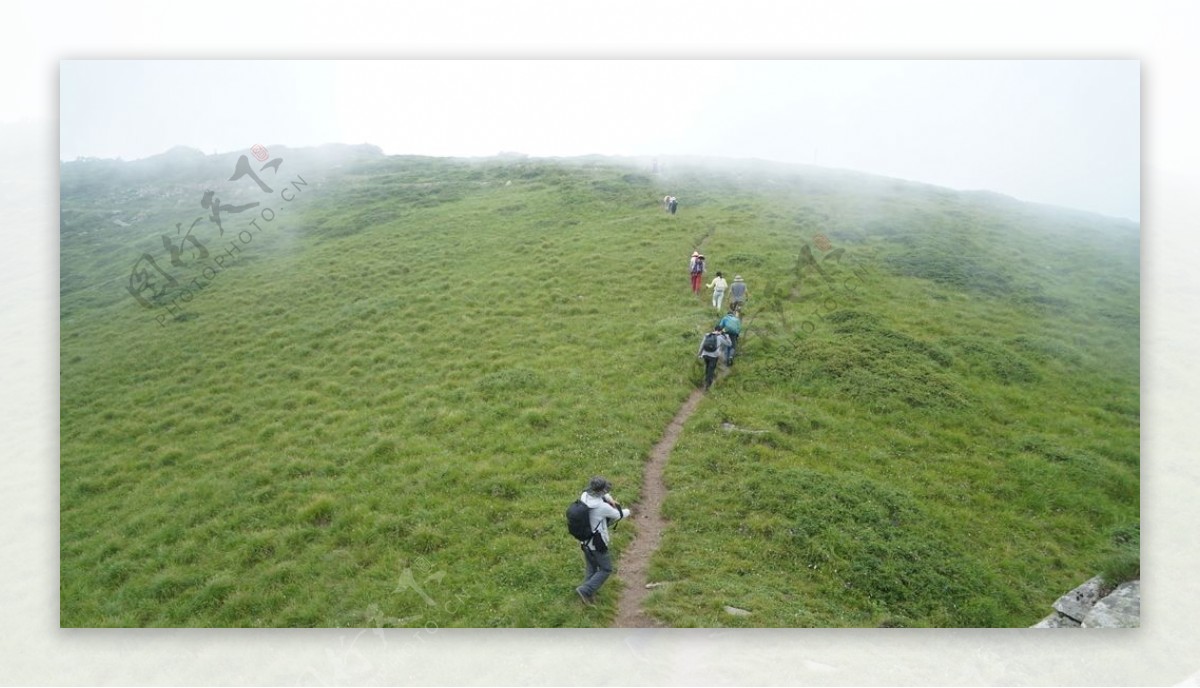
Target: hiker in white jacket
602,510
718,285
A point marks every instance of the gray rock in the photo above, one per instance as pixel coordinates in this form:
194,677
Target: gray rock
1057,620
736,612
1121,609
1079,601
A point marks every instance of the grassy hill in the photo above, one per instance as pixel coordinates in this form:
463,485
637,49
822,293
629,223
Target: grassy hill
373,408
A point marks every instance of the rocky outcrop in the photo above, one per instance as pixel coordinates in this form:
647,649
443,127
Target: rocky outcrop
1084,607
1121,609
1076,603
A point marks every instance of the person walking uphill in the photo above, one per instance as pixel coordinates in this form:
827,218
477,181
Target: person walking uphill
731,325
737,294
711,346
602,511
697,271
718,286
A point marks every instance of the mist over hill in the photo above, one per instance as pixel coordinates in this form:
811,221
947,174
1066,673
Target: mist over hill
375,368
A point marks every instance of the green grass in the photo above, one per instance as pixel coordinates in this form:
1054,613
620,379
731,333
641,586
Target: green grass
409,373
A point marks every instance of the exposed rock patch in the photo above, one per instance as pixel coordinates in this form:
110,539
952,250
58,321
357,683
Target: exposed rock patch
1076,603
1087,607
1121,609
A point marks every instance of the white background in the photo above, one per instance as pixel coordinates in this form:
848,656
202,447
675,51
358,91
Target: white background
34,37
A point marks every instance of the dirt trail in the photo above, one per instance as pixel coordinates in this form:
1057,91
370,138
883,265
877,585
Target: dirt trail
647,517
647,513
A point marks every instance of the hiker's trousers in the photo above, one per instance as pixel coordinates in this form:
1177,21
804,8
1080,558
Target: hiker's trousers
597,567
710,368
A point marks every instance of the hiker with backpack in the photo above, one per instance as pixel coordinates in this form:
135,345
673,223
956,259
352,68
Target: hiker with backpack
718,285
696,269
711,346
588,519
737,294
672,205
731,325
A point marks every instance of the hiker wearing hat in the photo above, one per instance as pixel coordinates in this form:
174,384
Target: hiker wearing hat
737,294
672,205
718,286
602,511
697,270
711,346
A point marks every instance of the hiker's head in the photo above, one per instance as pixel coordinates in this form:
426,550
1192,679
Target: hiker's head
718,273
737,278
598,486
696,254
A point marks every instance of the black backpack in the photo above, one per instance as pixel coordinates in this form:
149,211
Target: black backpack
578,522
710,342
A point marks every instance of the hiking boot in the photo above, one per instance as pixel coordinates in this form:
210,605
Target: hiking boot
589,600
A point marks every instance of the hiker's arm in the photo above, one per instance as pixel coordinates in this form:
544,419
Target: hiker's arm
608,511
619,512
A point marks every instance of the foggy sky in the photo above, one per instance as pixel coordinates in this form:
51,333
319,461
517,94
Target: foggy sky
1060,132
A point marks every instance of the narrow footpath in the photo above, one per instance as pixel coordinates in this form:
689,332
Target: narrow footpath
649,523
647,516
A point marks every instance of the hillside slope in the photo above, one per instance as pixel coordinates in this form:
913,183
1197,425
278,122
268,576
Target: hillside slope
372,408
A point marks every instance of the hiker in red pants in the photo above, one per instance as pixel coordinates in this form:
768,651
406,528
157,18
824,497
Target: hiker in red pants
697,270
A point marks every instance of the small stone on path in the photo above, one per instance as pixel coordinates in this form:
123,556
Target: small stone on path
736,612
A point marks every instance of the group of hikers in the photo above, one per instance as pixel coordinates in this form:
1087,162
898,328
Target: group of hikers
721,340
724,335
590,516
737,291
